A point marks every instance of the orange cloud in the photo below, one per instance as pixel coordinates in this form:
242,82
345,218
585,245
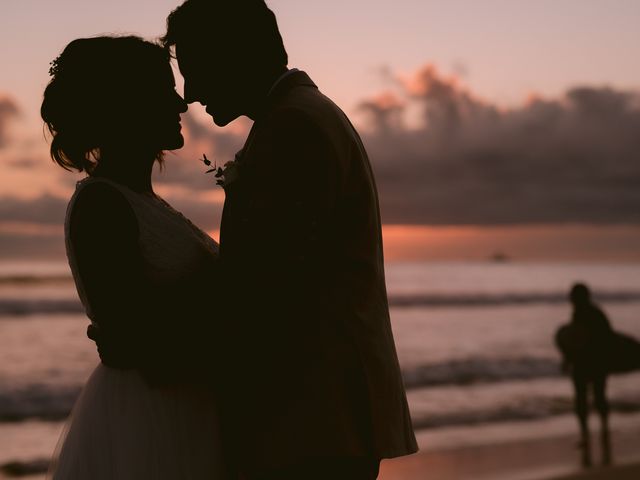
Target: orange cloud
428,80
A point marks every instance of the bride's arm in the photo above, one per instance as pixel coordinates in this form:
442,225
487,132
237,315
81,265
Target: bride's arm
129,314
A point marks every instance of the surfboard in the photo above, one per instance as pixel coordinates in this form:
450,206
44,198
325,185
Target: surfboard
620,353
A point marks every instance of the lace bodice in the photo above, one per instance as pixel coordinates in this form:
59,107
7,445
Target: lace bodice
174,250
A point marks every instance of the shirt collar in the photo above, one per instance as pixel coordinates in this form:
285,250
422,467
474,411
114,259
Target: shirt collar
281,78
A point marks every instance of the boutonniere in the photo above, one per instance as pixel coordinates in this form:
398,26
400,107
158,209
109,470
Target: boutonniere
226,174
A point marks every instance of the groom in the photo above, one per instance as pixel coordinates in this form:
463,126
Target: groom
305,358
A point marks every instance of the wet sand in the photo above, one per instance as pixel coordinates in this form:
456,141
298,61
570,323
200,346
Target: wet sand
541,450
625,472
526,456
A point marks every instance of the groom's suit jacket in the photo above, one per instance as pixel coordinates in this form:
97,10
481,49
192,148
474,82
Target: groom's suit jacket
307,349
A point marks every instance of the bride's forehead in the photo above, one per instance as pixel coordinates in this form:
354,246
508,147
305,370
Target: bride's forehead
166,73
161,71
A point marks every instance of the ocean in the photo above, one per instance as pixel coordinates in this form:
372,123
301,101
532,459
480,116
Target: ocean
475,342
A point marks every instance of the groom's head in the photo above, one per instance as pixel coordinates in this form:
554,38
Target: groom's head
228,51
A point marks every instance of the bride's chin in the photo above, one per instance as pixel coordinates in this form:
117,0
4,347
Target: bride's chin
176,144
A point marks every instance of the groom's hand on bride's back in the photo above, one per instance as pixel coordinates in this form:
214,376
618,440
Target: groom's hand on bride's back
111,352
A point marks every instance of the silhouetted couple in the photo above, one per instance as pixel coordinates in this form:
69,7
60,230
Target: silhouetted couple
268,356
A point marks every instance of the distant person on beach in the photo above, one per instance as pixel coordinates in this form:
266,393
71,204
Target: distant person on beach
585,344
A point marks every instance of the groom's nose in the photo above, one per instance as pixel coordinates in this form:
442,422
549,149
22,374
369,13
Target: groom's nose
190,94
182,105
179,102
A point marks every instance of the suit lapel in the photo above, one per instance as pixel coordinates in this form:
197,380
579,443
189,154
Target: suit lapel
236,193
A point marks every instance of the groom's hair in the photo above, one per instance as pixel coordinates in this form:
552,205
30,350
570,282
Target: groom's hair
250,23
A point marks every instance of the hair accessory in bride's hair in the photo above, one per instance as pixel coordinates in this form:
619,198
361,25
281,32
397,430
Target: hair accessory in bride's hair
54,66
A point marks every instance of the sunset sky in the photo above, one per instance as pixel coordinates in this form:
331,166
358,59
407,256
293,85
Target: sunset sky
493,126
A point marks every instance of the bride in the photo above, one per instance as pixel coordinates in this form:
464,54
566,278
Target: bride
139,266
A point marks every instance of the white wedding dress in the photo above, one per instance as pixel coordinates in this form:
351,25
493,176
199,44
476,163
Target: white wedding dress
121,428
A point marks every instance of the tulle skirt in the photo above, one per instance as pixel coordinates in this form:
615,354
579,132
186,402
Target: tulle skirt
122,429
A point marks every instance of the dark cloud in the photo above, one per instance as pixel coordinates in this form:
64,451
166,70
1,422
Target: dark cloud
572,159
8,110
32,228
44,210
23,245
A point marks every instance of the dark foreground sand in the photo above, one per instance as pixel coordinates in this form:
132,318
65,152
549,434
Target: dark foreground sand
540,450
626,472
538,458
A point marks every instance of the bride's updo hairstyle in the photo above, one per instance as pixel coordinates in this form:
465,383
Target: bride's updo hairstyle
95,82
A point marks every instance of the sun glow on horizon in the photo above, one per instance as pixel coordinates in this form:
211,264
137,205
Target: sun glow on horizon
518,242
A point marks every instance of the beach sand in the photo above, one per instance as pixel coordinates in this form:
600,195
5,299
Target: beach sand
540,450
625,472
546,451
